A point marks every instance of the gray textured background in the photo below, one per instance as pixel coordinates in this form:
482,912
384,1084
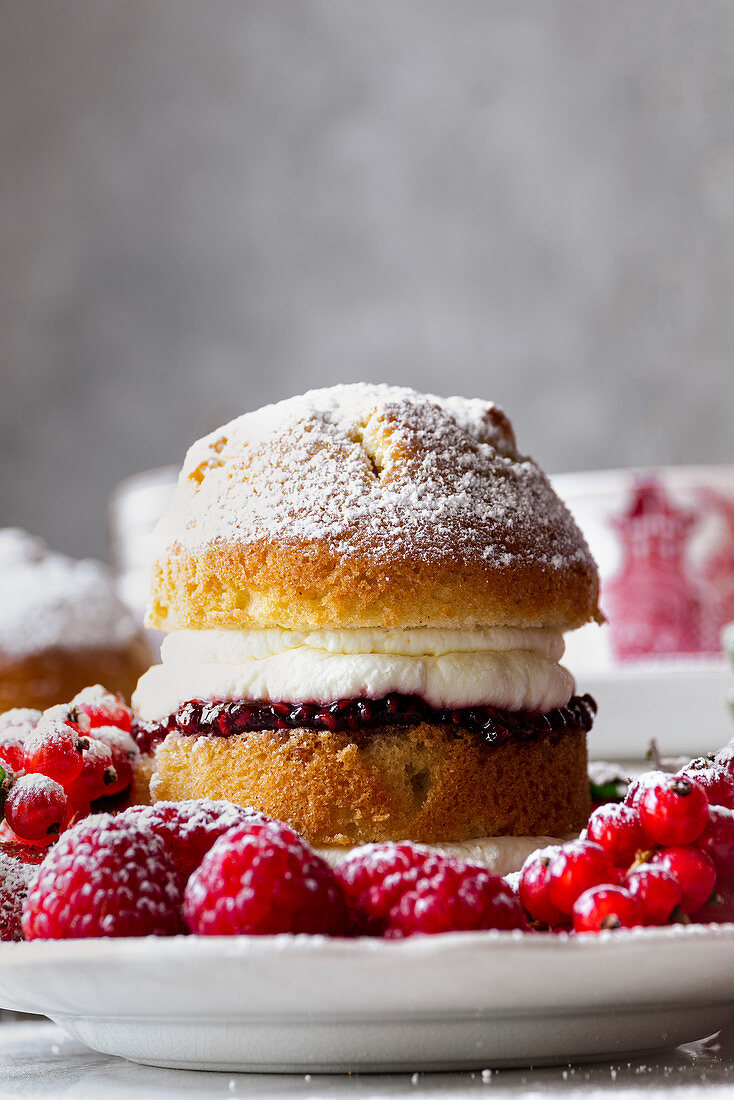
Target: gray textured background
204,206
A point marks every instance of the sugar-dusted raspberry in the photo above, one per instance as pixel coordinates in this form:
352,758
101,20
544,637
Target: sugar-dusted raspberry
262,879
105,877
17,867
191,827
533,888
456,897
36,807
103,708
374,877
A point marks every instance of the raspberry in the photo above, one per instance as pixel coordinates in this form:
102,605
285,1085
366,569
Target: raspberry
655,891
35,807
694,872
617,829
674,812
605,908
375,876
262,879
533,889
102,708
455,897
104,878
716,782
577,867
54,749
190,828
17,863
717,841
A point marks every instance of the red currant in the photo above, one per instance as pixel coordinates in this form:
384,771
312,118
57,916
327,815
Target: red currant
103,708
693,870
717,910
123,752
674,812
617,829
54,749
717,783
36,807
98,774
7,836
576,867
724,759
656,892
605,908
717,841
15,726
533,888
639,785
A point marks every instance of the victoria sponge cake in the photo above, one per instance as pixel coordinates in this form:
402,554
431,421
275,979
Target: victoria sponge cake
364,591
62,627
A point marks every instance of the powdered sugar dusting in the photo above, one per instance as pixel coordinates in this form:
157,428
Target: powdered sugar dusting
49,600
375,470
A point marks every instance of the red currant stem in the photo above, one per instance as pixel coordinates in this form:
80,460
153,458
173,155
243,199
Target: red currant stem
611,923
653,754
679,917
640,858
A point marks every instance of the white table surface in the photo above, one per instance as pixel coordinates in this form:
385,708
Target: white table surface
37,1059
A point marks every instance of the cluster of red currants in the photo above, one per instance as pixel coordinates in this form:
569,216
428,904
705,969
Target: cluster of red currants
54,765
663,855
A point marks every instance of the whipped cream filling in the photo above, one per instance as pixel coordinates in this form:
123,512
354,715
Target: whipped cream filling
500,854
504,667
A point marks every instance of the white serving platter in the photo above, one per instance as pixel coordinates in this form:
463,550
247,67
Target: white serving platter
309,1004
684,706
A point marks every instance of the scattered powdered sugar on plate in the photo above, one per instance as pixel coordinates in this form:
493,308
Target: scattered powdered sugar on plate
49,600
374,469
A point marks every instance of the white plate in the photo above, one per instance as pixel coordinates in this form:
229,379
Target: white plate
683,706
308,1004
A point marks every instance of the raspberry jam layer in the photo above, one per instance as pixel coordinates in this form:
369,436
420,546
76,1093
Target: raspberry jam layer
361,717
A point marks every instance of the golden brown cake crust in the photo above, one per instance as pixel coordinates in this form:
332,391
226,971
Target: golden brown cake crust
425,783
42,680
369,506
